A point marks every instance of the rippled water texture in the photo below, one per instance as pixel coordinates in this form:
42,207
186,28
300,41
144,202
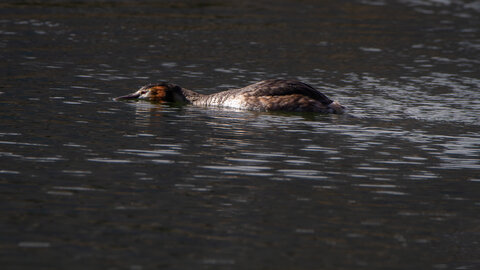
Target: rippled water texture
89,183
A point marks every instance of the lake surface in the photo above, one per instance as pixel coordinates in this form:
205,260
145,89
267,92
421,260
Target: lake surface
90,183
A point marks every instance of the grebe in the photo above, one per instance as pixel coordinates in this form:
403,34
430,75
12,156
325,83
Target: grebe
268,95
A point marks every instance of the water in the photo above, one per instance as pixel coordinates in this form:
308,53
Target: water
87,182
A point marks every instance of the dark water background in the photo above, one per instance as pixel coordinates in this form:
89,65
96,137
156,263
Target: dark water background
89,183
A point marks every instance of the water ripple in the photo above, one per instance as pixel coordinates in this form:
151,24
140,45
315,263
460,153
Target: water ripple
109,160
149,153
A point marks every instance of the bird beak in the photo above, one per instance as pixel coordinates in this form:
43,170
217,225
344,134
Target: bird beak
134,95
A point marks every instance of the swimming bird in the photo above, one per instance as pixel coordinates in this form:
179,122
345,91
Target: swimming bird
268,95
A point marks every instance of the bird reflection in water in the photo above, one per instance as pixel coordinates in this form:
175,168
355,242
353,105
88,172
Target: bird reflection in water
146,112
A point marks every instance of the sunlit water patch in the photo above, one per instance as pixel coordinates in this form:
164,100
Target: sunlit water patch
438,97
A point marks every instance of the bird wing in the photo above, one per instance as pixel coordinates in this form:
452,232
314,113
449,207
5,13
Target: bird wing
283,88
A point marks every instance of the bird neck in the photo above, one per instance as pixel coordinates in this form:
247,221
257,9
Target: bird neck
191,96
198,99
